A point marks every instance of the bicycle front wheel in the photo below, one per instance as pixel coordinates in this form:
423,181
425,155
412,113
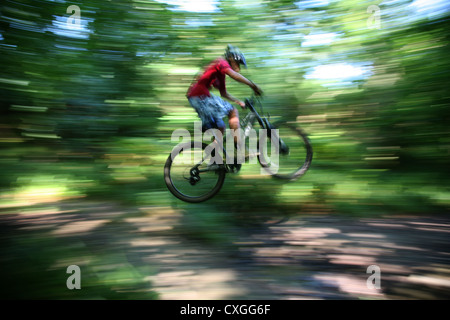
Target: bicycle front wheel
189,174
290,151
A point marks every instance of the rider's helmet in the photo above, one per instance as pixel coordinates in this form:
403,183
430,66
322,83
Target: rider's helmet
235,54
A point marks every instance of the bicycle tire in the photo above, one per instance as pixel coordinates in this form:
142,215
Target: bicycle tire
300,163
176,190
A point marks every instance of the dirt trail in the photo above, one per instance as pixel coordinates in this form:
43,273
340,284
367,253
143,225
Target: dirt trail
304,257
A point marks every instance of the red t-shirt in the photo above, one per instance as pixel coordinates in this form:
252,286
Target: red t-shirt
214,75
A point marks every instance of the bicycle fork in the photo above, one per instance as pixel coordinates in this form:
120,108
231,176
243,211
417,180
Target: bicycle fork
274,136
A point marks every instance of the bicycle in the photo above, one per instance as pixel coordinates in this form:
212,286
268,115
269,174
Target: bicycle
191,176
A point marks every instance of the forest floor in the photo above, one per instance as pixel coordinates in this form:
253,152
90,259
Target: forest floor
321,256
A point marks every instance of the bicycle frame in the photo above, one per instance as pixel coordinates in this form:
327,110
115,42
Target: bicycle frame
246,123
254,115
264,123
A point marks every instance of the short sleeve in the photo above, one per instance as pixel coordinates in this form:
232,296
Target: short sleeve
223,66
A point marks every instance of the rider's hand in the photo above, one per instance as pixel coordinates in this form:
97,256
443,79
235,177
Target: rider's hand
242,104
258,91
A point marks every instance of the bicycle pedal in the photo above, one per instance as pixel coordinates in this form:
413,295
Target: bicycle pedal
234,168
213,167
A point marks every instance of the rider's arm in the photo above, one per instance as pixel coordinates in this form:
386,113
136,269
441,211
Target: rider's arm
228,96
240,78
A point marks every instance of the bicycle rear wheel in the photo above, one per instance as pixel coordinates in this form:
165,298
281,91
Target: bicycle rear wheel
188,174
290,152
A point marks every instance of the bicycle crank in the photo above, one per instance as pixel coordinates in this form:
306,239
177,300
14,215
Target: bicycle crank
195,177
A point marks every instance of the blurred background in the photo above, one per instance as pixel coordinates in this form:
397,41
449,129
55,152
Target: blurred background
91,91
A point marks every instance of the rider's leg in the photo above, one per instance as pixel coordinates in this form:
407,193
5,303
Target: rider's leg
233,121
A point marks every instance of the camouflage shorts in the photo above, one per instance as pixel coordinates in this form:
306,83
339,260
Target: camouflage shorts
211,110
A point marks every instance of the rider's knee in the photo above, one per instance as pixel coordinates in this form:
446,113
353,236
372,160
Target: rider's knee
234,122
233,119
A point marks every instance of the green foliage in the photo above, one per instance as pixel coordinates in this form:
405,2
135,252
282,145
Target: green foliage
121,77
89,111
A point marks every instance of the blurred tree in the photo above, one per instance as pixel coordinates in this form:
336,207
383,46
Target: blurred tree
124,70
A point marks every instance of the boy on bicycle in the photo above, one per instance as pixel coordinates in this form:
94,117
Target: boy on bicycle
210,108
